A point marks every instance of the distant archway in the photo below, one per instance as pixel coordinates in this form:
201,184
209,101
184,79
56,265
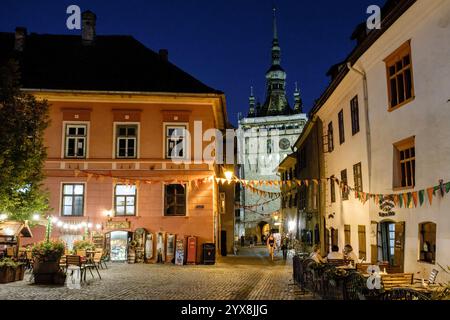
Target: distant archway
263,230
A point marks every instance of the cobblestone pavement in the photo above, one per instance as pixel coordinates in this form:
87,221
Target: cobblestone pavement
248,276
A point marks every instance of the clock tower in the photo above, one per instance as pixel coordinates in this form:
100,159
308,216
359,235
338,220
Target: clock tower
268,132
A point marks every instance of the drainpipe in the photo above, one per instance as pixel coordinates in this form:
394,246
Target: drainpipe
366,112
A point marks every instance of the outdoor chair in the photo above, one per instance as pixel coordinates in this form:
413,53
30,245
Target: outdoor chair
402,294
354,286
433,276
90,264
396,280
75,261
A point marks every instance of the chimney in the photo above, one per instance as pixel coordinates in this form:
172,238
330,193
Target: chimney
88,20
164,54
19,40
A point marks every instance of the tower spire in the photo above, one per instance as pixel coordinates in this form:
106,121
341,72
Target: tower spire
298,103
275,31
276,50
251,102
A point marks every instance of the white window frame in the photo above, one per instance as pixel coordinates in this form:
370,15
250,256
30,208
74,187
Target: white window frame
135,202
115,139
65,137
186,148
61,198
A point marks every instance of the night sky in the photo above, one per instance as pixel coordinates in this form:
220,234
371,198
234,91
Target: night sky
225,44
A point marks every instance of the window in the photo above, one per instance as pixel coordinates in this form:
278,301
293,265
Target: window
126,145
405,164
269,146
354,109
247,146
125,200
333,190
344,184
427,236
302,201
357,175
75,141
73,200
302,158
175,142
400,77
330,137
341,127
174,200
347,234
362,242
334,237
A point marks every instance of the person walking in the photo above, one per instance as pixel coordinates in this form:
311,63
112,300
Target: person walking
242,240
271,245
284,246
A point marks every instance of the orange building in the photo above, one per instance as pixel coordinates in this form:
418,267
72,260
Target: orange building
117,110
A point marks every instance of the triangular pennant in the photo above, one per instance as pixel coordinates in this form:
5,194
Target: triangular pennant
447,187
395,197
415,198
405,200
76,172
409,199
306,182
430,192
400,198
421,197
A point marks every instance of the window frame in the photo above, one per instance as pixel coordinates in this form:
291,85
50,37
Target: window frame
354,112
330,134
66,137
344,194
165,202
172,125
341,125
63,195
421,242
401,146
358,182
135,196
117,136
391,60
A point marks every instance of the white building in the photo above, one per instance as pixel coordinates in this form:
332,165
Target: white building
398,141
268,132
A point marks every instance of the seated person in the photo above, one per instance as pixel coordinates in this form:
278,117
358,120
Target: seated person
335,254
315,255
349,254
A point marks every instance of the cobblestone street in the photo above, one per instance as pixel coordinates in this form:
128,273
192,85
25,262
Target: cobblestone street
248,276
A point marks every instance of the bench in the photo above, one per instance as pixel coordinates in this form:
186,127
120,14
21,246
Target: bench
338,262
362,267
396,280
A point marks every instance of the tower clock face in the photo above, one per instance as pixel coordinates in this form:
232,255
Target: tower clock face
284,144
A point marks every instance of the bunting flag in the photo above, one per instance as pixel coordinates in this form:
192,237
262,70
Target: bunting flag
406,200
414,196
421,197
430,192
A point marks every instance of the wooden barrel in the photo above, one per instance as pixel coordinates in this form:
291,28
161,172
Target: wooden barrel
131,257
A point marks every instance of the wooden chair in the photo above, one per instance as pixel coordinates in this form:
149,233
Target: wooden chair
396,280
402,294
433,276
74,260
91,263
337,262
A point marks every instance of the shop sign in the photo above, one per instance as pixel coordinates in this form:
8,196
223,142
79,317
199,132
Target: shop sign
386,207
118,225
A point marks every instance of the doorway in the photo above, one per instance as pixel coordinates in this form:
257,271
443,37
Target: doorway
119,246
391,242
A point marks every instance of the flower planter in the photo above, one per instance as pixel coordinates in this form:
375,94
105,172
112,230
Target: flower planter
7,274
20,273
44,271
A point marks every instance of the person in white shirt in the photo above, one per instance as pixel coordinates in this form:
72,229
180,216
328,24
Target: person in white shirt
349,254
316,256
335,254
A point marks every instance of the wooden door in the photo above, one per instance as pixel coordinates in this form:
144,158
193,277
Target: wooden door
399,247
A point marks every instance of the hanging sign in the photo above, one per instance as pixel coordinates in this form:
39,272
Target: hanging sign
386,207
118,225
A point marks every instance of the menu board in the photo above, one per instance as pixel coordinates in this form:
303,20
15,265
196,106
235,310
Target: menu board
98,240
179,253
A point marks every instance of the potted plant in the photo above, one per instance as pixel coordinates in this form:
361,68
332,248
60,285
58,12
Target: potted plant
46,256
83,245
7,270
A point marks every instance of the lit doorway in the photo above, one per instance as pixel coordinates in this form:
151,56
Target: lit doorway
391,242
119,245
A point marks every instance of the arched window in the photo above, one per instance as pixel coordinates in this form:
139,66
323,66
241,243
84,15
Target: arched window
427,237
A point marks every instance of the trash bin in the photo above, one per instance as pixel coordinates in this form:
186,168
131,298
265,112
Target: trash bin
209,253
